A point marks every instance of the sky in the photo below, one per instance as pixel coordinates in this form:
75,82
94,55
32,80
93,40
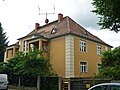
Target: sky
18,17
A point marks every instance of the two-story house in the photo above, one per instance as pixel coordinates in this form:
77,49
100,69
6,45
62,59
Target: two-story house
72,50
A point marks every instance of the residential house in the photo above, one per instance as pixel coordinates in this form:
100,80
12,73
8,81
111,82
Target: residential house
72,50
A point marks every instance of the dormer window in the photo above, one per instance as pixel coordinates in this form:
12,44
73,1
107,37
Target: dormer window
54,31
34,36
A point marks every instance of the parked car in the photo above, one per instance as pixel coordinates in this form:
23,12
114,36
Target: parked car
3,81
106,86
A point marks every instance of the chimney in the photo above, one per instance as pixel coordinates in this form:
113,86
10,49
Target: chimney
37,25
60,17
46,21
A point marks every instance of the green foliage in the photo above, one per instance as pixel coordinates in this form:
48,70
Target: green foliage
28,64
49,83
109,13
3,43
110,64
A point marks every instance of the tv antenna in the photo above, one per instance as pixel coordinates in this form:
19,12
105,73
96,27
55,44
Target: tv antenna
47,13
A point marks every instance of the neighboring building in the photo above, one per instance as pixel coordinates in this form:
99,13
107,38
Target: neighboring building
72,50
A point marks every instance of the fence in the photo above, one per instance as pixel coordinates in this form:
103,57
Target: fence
85,83
49,83
38,83
58,83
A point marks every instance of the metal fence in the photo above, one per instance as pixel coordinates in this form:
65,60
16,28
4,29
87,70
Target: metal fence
40,83
49,83
85,83
57,83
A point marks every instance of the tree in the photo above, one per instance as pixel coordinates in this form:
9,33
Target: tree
110,64
109,14
28,64
33,64
3,43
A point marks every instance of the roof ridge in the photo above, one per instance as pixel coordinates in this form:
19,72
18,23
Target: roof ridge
66,26
68,23
81,30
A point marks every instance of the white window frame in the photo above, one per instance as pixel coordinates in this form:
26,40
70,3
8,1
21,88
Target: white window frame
107,48
83,46
83,66
99,49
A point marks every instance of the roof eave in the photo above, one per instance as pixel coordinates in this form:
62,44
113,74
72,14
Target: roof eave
70,33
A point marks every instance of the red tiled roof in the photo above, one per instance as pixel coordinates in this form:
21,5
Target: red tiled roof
65,26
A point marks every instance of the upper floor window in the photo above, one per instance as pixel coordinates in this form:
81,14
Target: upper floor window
83,66
107,48
99,49
9,53
44,45
25,45
83,46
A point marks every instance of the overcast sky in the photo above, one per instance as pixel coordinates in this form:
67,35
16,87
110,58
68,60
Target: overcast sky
18,17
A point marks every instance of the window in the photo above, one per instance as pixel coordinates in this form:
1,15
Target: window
115,87
25,45
107,48
102,87
10,53
83,66
44,45
53,31
83,46
99,49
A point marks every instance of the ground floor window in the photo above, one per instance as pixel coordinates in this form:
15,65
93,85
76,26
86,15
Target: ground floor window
83,66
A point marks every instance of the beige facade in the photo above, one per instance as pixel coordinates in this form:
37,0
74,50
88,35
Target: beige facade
72,50
65,56
57,55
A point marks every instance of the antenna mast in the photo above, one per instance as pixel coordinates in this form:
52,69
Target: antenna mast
47,13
